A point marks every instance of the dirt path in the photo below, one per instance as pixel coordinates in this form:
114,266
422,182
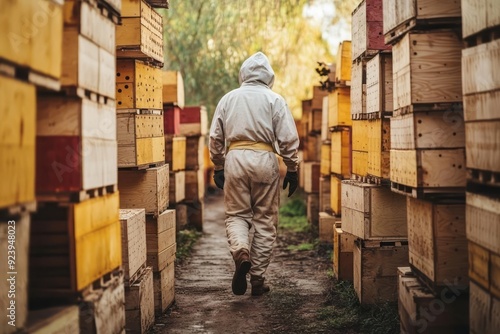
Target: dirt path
205,303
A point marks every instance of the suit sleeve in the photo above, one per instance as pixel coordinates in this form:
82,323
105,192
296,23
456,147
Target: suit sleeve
217,140
287,137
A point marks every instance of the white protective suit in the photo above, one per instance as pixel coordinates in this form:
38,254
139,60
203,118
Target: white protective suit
253,113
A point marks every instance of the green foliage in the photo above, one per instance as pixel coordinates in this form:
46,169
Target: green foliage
305,246
207,40
292,215
186,239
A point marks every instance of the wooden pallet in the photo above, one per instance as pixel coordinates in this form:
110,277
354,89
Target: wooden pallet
28,75
77,196
18,209
359,116
483,37
385,242
436,288
135,277
483,177
140,111
393,36
428,193
452,107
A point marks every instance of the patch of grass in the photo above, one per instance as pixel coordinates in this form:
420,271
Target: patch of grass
306,246
186,239
292,215
343,311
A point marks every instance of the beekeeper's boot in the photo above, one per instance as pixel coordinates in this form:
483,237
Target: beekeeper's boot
258,286
243,264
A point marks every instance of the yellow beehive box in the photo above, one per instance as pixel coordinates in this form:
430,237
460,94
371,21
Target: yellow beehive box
17,142
173,88
140,139
339,107
379,147
344,61
138,85
340,162
74,245
32,35
175,152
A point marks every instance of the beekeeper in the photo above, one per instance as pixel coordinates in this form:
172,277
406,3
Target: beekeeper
250,125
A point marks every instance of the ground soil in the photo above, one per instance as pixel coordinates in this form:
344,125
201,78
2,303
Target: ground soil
204,302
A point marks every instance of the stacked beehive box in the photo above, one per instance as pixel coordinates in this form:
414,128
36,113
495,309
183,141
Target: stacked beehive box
312,152
77,219
143,176
372,215
481,89
427,158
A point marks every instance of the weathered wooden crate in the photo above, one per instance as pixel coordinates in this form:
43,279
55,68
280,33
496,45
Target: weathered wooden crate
313,209
343,245
326,226
146,189
311,177
324,194
138,85
341,153
180,216
164,289
139,8
91,23
326,153
161,233
177,190
193,121
17,142
379,148
103,311
437,242
428,129
140,139
372,212
484,311
42,51
76,144
175,152
358,90
86,65
61,319
195,185
360,163
173,88
139,304
483,221
417,57
479,16
343,65
19,229
312,148
339,107
140,34
317,102
402,16
306,110
375,270
336,195
431,170
379,99
133,227
482,147
484,268
195,150
422,311
367,36
171,119
73,245
481,84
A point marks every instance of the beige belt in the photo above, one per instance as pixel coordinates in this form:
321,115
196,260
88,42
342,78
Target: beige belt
250,145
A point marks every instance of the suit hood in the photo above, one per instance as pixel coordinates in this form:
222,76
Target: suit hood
257,69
